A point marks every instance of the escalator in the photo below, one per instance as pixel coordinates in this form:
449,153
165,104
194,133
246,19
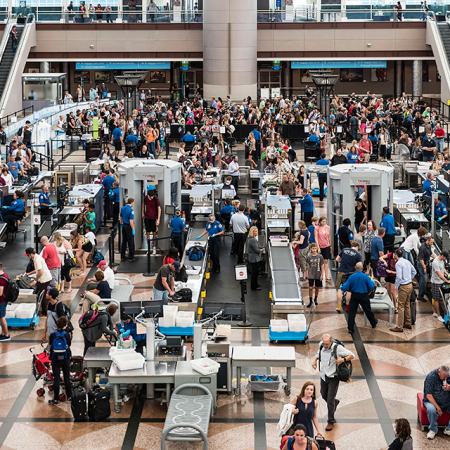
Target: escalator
7,59
12,64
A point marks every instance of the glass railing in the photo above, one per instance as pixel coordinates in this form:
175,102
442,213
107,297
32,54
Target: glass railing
304,14
52,14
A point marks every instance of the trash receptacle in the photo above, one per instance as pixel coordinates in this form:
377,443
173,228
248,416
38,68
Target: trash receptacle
74,143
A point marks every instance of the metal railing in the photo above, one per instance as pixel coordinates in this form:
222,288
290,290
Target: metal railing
15,114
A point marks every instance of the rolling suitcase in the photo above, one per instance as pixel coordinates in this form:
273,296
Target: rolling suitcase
79,404
99,407
412,303
324,444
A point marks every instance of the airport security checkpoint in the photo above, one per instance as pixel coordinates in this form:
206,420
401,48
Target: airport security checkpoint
203,255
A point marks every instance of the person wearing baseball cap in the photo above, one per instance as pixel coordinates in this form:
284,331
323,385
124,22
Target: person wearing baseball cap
165,281
108,274
43,275
438,278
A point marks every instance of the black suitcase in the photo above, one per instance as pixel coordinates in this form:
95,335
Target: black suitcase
324,444
185,295
99,407
78,406
412,303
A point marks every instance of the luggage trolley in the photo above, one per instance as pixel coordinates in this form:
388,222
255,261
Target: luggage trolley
32,314
298,336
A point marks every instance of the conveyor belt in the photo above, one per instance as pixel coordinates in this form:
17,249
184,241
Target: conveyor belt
281,258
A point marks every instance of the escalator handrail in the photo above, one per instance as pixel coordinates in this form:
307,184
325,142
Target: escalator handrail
6,33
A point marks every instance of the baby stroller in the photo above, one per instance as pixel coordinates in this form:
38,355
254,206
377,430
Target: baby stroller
41,369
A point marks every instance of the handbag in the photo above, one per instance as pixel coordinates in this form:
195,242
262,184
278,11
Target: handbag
381,269
69,262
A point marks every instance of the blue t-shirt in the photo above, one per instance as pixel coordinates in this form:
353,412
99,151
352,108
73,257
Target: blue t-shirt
117,134
323,162
377,246
108,181
177,224
14,168
388,223
311,229
305,240
257,134
352,157
127,214
349,258
132,138
188,138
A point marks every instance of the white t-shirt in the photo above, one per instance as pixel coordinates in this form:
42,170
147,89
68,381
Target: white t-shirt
40,264
109,277
91,237
8,179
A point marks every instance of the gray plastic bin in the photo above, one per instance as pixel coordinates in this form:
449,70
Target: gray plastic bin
74,143
265,386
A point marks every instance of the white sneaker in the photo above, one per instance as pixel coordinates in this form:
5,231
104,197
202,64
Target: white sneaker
435,315
441,319
447,431
431,435
154,251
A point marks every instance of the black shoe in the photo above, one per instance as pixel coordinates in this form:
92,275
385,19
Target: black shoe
421,299
375,325
53,402
351,331
132,259
316,302
258,288
217,270
309,304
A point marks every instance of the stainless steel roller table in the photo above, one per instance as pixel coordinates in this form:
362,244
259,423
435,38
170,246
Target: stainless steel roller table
95,358
153,372
263,357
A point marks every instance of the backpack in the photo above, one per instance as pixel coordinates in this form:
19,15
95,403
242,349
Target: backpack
20,131
344,370
97,257
12,290
33,171
68,314
196,253
88,317
381,269
59,345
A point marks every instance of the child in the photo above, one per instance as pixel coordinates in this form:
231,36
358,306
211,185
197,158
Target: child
60,355
311,228
89,217
316,272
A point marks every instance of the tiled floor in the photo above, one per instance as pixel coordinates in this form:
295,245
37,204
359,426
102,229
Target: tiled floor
389,366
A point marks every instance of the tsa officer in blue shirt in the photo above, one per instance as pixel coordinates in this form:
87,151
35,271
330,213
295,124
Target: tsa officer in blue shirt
214,229
388,224
15,210
44,202
178,228
117,141
428,185
307,206
128,231
440,211
257,135
114,196
107,184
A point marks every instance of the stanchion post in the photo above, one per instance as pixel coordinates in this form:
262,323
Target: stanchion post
149,272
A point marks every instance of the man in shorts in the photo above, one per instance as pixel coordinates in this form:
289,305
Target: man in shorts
151,213
316,272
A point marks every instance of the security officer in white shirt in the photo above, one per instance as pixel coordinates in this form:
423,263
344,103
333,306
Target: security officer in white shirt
240,225
329,382
233,171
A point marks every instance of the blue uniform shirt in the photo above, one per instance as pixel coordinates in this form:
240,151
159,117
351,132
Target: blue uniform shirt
388,223
108,181
127,214
314,138
214,228
17,205
257,134
359,283
428,187
133,331
226,209
188,138
307,204
323,162
249,220
177,224
114,194
44,198
440,210
132,138
117,134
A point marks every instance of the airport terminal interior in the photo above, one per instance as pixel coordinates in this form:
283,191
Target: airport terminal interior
224,224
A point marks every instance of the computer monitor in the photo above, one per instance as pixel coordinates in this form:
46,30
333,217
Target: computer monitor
251,203
227,194
217,194
153,308
170,210
130,309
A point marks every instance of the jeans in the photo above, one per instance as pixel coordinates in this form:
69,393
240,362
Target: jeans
151,148
64,364
423,280
433,417
407,255
440,145
161,295
328,391
427,158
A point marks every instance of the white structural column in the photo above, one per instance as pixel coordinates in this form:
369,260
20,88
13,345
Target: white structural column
417,79
243,49
216,48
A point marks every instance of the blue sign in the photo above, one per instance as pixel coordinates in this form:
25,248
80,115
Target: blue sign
338,64
278,3
122,65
